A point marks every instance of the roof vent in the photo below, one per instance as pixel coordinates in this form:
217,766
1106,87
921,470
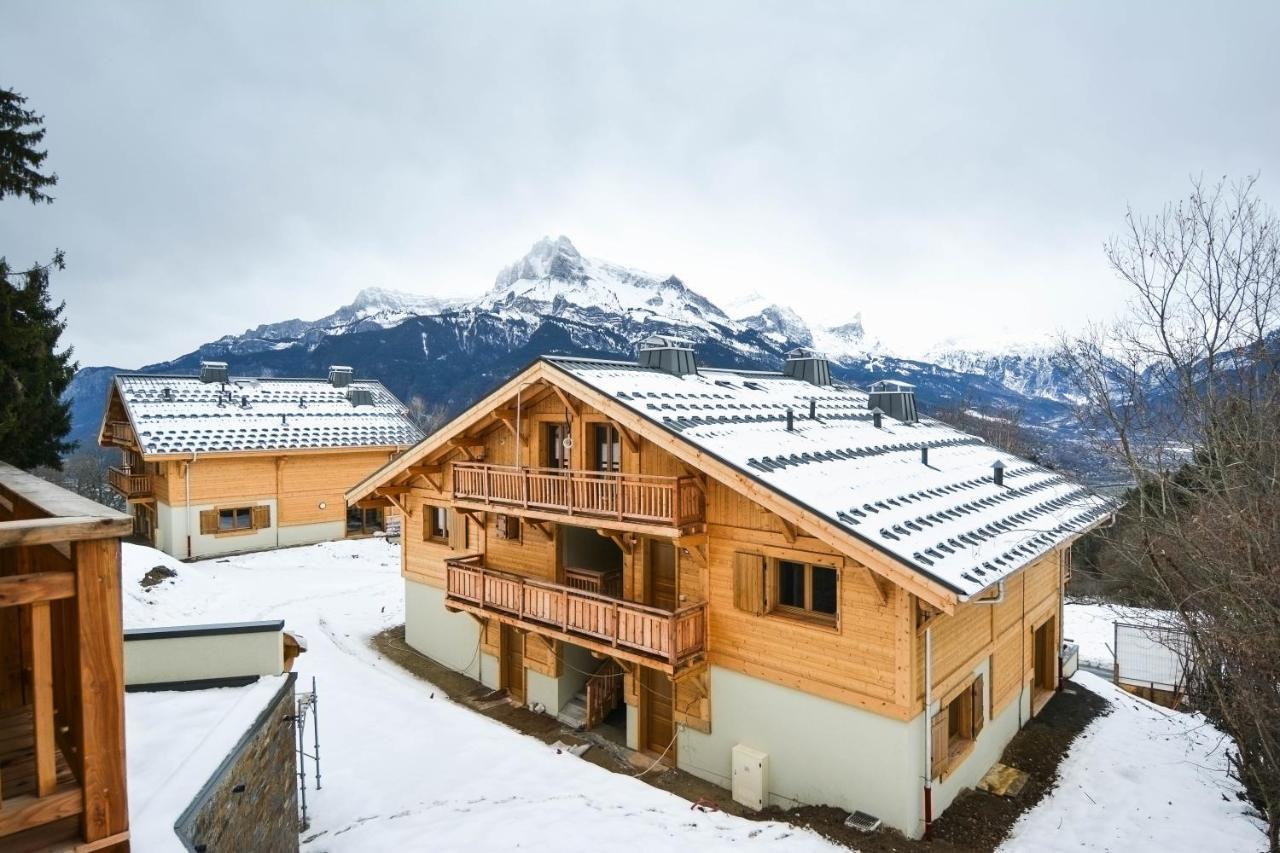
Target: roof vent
808,364
896,399
998,473
360,396
669,354
340,375
213,371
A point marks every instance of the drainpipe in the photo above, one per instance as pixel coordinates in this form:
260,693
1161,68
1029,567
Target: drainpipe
928,733
186,481
998,598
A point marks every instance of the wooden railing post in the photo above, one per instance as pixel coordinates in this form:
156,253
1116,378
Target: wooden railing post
101,711
42,697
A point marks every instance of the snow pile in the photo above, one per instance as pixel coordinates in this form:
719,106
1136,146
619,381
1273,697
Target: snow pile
1141,778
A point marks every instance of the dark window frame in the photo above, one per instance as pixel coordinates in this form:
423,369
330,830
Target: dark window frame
236,515
432,532
606,448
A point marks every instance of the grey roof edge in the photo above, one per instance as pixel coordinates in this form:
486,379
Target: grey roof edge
961,594
133,374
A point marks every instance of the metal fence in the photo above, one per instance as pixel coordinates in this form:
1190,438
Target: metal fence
1153,657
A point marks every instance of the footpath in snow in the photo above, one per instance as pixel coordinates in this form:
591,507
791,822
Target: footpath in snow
405,768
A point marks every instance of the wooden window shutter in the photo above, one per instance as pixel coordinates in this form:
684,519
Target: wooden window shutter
938,738
748,583
261,517
209,521
975,694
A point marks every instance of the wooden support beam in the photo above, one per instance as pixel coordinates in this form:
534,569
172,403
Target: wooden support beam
569,402
789,530
508,418
697,552
625,541
36,586
543,526
882,586
388,491
632,440
29,811
473,449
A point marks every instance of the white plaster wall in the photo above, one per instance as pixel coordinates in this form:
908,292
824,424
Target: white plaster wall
821,752
541,690
452,639
576,666
489,673
633,729
173,523
307,534
196,658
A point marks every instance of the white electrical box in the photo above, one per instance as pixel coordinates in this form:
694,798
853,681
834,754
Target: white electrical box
750,777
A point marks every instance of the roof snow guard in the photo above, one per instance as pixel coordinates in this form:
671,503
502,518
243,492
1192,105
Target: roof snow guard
668,354
213,371
809,365
896,399
181,415
947,520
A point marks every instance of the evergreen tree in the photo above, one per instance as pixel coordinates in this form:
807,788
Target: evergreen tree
34,420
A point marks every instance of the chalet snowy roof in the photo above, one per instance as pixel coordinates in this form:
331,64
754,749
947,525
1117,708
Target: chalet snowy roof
181,414
947,519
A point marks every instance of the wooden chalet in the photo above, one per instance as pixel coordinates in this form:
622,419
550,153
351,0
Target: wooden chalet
773,567
62,759
213,464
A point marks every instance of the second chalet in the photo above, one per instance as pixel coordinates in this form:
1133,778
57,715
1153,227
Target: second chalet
214,464
776,582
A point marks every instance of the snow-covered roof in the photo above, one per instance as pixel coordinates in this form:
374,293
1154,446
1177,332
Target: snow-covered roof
181,414
947,519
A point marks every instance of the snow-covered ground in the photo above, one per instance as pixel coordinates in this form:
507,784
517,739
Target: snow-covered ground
1140,779
405,768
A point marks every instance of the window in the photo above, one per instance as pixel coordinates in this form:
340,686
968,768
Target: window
507,527
366,520
554,453
436,524
786,587
956,726
240,518
806,589
607,447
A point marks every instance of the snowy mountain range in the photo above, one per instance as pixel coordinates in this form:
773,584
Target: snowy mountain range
555,299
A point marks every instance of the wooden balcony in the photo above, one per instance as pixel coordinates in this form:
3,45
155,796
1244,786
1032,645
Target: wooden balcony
642,501
119,433
662,639
131,486
61,669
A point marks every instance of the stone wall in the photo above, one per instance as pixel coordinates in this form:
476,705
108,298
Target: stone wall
251,801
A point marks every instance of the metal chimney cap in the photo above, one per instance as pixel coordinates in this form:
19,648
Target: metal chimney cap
999,466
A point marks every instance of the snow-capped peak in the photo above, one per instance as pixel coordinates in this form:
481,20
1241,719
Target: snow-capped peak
555,279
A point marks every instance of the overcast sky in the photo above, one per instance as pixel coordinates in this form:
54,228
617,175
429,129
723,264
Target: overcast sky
950,169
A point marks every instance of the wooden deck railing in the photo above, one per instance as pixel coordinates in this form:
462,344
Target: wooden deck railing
636,498
592,580
637,631
61,664
128,484
604,692
119,432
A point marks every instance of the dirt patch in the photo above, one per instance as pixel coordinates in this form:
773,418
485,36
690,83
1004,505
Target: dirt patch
156,576
975,823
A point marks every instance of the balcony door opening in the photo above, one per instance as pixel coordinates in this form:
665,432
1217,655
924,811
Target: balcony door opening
591,562
658,729
606,448
555,453
513,664
661,574
1045,663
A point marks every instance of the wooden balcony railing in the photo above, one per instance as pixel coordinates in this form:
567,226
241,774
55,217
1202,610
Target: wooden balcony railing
129,484
604,692
635,498
119,432
661,638
593,580
61,668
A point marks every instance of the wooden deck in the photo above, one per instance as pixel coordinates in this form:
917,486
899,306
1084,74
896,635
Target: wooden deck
131,486
118,433
61,668
638,499
662,639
